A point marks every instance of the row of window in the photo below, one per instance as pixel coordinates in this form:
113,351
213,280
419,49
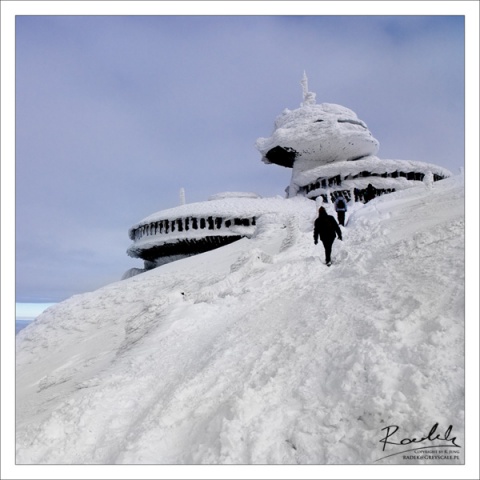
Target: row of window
185,224
366,194
337,180
360,194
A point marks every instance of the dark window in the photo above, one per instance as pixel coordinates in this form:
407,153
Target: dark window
282,156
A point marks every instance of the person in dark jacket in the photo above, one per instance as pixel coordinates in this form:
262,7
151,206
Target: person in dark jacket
341,208
370,193
326,227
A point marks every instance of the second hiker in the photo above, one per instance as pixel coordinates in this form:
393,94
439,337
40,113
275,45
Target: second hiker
341,208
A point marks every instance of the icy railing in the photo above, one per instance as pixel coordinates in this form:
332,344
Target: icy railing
337,179
166,227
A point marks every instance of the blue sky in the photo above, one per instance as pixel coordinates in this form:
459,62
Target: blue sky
114,114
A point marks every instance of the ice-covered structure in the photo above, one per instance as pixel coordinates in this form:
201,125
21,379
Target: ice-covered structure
331,152
195,228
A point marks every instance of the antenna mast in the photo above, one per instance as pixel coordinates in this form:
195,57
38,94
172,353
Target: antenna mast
308,97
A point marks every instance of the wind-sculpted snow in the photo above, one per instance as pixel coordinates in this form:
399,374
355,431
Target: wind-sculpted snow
318,135
257,352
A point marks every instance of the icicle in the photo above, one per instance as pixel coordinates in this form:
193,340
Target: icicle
182,196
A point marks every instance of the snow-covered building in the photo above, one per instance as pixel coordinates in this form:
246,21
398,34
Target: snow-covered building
195,228
190,229
331,152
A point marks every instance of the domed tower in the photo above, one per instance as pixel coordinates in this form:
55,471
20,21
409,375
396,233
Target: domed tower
332,152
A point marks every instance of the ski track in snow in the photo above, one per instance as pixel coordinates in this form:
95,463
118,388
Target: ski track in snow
258,353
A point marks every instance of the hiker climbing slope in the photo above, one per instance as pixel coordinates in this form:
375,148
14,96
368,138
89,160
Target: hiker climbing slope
341,208
326,227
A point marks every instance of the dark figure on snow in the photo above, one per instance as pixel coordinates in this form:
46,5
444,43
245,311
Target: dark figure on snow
370,194
341,208
326,227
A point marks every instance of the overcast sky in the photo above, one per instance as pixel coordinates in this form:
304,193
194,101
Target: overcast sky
115,114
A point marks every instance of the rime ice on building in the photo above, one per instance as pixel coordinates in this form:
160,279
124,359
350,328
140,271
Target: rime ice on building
190,229
331,152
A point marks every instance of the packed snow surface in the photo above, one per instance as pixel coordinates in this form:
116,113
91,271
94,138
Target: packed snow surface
258,352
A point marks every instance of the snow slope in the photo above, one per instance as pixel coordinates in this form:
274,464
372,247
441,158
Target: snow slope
257,352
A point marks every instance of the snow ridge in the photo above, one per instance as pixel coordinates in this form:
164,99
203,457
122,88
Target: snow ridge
257,352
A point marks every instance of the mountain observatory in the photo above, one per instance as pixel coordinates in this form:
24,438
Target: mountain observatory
330,151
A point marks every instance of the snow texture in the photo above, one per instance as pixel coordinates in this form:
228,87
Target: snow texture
257,353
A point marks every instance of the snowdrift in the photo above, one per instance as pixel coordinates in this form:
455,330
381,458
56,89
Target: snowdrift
257,353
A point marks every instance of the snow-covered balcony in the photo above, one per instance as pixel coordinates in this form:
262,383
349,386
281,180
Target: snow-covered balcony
352,178
188,235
